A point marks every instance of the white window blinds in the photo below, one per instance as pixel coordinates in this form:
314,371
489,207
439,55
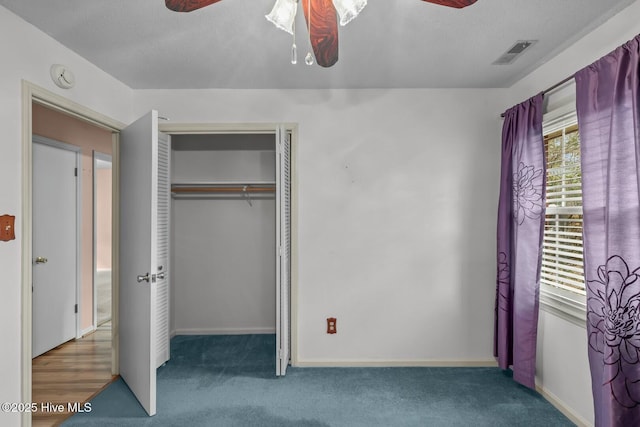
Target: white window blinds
562,255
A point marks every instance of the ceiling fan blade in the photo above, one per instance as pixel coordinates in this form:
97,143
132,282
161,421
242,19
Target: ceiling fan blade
458,4
324,30
187,5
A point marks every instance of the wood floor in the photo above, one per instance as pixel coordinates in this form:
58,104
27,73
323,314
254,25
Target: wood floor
72,372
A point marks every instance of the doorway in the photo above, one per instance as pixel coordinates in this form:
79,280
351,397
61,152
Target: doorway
66,207
37,101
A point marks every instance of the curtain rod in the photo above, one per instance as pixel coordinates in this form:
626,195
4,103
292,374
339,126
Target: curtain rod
555,86
560,83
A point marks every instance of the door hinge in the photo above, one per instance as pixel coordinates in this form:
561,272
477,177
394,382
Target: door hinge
280,354
280,250
75,308
75,171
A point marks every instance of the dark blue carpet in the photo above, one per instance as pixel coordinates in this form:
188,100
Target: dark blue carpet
230,381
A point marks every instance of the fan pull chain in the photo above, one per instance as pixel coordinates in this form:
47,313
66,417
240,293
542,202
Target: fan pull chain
309,58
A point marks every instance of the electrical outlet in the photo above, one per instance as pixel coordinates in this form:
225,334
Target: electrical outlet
331,325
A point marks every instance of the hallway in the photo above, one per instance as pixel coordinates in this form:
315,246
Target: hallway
72,372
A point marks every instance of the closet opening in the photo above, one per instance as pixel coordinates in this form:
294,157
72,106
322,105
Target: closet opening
230,236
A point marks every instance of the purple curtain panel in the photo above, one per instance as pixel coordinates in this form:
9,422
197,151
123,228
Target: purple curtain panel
521,208
608,96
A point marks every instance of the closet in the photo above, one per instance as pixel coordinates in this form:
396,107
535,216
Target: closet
230,236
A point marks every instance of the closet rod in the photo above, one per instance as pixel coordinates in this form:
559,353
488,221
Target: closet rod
223,189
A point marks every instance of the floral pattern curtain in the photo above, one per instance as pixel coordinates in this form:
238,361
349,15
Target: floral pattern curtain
521,209
608,96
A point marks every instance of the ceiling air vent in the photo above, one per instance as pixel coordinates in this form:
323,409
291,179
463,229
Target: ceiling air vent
514,51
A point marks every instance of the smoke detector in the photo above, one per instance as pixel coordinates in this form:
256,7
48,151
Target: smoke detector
62,76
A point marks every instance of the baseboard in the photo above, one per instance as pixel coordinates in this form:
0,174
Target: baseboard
223,331
87,331
105,321
396,363
560,406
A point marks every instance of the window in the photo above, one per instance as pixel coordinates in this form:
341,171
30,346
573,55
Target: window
562,275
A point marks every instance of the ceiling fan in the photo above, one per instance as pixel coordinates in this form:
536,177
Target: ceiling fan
322,17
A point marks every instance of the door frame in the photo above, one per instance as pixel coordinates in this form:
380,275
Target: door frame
37,139
270,129
97,156
32,93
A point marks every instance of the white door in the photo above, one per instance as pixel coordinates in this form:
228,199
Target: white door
283,250
55,237
138,169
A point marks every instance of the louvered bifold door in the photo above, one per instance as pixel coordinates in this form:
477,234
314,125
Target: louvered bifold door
164,208
283,250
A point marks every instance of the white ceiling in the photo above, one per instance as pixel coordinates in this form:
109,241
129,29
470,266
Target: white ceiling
392,44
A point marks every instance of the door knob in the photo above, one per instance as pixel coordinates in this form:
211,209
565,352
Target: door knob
143,278
41,260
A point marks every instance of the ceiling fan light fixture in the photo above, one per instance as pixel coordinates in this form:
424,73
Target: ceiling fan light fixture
348,9
283,14
326,15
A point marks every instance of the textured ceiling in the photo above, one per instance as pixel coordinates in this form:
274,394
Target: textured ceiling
392,44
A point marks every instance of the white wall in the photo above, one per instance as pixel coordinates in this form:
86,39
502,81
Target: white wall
562,366
397,202
27,54
222,248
